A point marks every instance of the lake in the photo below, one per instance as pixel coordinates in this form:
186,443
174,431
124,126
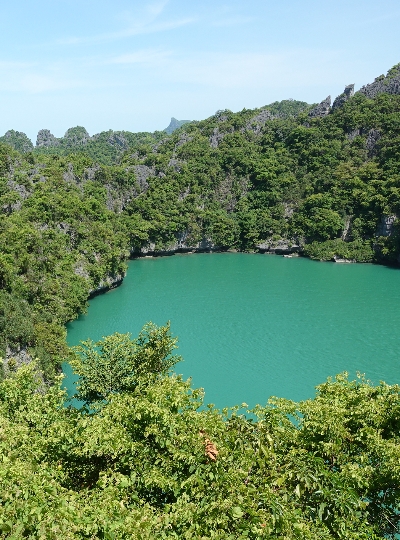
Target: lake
251,326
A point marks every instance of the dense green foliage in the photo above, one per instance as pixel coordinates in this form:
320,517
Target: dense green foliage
134,465
118,363
17,140
105,148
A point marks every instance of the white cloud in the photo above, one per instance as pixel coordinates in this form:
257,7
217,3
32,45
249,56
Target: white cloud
136,30
249,70
149,56
35,78
155,9
228,72
145,21
7,65
35,83
232,21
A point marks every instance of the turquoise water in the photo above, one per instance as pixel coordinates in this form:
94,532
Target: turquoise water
252,326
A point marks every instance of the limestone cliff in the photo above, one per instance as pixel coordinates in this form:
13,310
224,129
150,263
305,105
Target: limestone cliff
46,139
322,109
388,85
345,96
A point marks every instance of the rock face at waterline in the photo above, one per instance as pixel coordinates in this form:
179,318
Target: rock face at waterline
182,244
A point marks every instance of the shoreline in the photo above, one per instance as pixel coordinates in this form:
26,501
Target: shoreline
112,282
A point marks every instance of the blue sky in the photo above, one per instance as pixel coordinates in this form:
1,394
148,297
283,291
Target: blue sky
132,65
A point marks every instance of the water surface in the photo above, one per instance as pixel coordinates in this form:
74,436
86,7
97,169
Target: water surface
252,326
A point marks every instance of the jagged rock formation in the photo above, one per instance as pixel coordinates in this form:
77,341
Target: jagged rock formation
142,173
46,139
372,140
351,135
216,137
14,359
258,121
175,124
389,84
184,138
118,140
322,109
345,96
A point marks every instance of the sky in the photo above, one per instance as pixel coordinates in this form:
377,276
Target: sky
132,65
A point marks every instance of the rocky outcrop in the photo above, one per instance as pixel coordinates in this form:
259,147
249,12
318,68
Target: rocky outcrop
69,175
182,244
176,164
106,284
17,140
351,135
45,139
386,226
90,173
383,85
322,109
342,98
372,141
346,232
14,359
258,122
142,174
77,136
184,138
216,137
280,247
118,140
81,271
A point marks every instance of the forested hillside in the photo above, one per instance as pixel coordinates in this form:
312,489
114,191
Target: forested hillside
105,148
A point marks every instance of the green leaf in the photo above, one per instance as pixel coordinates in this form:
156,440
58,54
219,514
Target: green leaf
237,512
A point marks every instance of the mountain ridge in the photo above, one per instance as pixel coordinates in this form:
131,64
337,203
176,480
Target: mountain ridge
113,143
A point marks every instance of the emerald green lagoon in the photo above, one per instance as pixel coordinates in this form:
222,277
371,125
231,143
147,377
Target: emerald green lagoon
251,326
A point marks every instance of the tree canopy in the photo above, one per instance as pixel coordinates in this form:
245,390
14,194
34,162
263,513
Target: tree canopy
137,465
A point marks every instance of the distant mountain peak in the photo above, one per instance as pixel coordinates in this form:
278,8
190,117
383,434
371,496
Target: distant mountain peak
175,124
